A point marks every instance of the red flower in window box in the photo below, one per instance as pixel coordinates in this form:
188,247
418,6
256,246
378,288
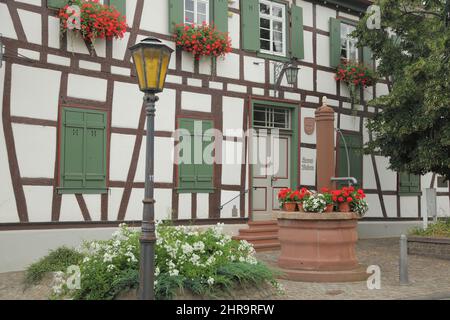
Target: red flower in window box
202,40
95,20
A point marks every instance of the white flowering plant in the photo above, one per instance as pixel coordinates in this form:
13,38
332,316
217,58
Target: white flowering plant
205,262
360,207
315,203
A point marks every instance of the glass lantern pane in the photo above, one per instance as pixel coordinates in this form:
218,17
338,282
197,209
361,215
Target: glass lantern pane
164,66
151,56
139,63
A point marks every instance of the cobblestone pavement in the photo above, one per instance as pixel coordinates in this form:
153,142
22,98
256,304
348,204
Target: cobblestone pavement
429,277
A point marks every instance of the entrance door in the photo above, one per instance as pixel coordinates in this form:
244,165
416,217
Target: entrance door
271,173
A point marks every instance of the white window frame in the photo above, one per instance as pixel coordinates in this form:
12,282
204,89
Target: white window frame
272,19
349,41
195,11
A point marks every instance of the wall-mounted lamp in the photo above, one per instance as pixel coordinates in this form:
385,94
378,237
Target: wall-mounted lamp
287,68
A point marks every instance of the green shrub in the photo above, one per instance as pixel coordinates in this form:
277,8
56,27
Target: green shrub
57,260
439,229
207,263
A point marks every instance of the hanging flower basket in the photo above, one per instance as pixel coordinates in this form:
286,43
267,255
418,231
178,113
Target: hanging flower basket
356,76
94,20
202,40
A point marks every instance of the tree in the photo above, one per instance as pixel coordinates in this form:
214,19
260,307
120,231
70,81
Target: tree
413,49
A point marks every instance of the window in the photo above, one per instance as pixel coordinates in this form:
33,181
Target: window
272,27
83,151
409,183
264,117
195,156
441,182
196,11
355,155
349,50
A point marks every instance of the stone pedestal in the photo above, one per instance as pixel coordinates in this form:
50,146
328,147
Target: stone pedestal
319,247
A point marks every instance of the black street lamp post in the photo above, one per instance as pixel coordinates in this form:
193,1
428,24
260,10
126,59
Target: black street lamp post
151,59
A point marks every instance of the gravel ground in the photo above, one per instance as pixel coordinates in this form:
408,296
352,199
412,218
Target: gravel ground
429,279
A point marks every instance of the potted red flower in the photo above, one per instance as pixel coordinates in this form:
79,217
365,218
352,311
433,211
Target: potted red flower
96,20
202,40
287,202
346,197
328,197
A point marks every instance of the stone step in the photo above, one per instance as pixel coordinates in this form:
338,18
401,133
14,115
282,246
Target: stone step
256,238
259,231
271,246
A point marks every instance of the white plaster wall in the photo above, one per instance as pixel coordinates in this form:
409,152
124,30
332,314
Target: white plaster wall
86,88
120,46
121,151
35,92
388,178
165,111
187,61
306,78
323,15
390,203
323,50
308,46
368,173
350,122
443,207
53,33
254,69
307,12
202,205
31,23
227,211
374,206
164,148
305,138
135,205
155,16
382,89
6,27
326,82
8,210
228,66
231,162
114,198
409,206
127,105
70,209
234,30
233,116
163,205
76,44
93,203
36,149
39,203
131,8
185,206
195,101
308,177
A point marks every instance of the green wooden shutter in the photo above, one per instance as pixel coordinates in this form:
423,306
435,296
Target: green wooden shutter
250,25
83,151
175,13
335,42
297,38
56,4
354,145
95,150
220,14
120,5
186,171
409,183
368,57
415,183
72,149
204,171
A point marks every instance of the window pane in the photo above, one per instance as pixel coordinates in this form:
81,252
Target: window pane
189,17
264,8
264,34
277,12
278,26
265,23
189,5
278,47
201,8
201,18
265,45
278,36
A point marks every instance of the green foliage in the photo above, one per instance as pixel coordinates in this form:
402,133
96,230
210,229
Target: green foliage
206,263
413,47
440,229
57,260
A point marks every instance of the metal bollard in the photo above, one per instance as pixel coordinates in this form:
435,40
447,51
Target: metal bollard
403,260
